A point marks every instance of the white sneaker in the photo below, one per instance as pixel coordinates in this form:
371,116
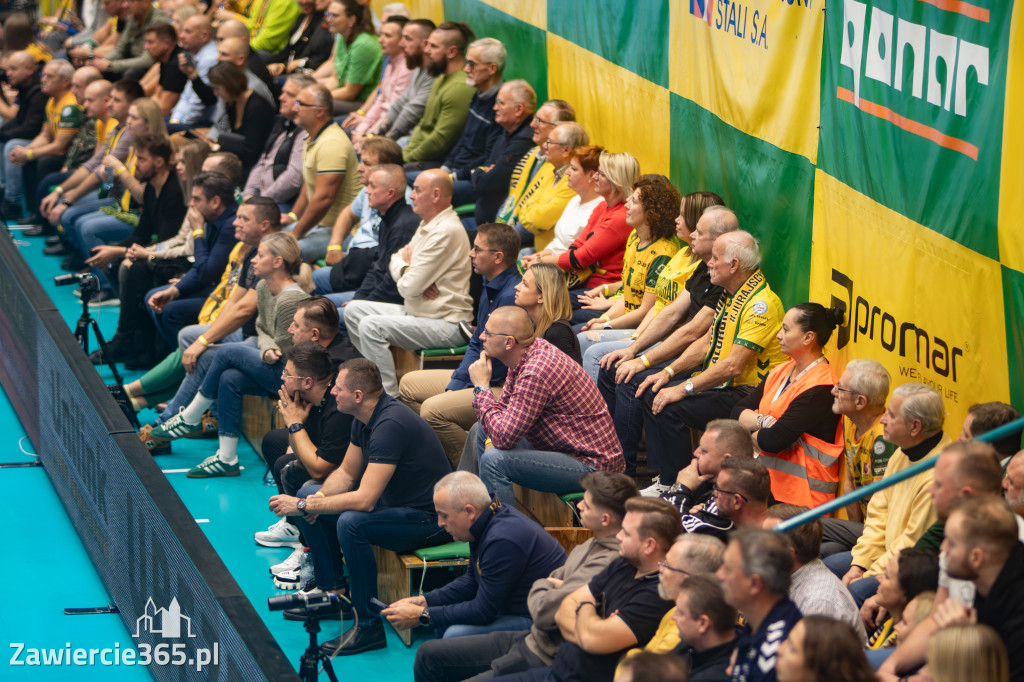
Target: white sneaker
655,489
281,534
289,564
288,580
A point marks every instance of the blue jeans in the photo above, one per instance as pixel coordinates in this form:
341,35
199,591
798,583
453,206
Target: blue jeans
627,413
96,229
10,174
71,218
860,589
177,314
549,472
322,281
238,369
514,623
352,535
594,349
194,379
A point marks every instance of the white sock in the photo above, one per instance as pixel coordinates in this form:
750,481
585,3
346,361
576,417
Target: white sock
228,451
194,411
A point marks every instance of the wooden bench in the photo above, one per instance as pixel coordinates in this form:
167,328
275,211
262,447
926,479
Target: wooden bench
547,509
440,358
402,575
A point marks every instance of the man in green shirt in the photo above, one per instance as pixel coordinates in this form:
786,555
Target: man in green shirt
448,106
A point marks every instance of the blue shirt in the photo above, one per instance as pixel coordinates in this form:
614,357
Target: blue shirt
211,251
757,653
498,292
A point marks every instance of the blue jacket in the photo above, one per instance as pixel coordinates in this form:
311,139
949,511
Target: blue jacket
508,553
211,252
491,187
478,137
498,292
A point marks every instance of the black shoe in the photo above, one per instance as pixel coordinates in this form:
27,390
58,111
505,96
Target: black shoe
341,610
104,299
365,638
96,357
12,211
58,249
40,229
53,240
73,263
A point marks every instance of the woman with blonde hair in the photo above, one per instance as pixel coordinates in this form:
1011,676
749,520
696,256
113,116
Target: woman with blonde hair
967,653
545,297
252,366
595,257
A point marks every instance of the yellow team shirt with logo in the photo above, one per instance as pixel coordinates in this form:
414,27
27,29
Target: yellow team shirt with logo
867,456
103,130
641,268
750,318
674,277
64,116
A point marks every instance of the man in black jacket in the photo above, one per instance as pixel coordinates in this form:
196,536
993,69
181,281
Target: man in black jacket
513,111
23,109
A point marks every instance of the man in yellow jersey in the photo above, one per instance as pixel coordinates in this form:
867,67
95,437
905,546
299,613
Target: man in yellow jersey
63,118
715,371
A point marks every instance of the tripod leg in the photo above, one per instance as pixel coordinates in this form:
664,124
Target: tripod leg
328,668
133,419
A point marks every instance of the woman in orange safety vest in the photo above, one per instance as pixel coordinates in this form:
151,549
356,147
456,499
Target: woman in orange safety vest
799,438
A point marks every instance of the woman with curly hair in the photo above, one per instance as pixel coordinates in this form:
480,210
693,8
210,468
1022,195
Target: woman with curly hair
821,649
651,211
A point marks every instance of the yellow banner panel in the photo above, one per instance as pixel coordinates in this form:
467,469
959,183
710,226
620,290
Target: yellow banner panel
756,64
419,9
927,308
621,111
533,12
1011,176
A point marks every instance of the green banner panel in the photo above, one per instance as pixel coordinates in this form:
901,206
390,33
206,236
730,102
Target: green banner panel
1013,299
912,103
633,35
771,190
526,45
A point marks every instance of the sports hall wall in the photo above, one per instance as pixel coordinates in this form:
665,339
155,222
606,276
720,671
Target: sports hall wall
873,146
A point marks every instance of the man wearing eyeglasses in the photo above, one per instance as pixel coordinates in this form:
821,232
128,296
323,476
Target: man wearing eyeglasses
329,178
550,425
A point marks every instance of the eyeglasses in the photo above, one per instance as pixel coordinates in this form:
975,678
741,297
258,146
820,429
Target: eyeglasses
538,119
286,375
560,144
716,489
600,174
477,249
470,64
484,333
329,15
845,390
306,104
662,564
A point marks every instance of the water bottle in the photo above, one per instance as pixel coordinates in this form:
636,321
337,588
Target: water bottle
108,183
306,577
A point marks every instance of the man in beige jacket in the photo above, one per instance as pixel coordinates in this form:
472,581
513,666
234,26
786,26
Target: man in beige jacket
432,274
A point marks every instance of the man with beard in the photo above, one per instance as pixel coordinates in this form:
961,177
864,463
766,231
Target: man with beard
448,106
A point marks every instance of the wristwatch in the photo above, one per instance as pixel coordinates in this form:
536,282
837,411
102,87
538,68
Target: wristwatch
425,617
477,390
296,427
688,387
301,505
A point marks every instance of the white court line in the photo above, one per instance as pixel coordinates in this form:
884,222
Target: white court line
183,471
201,520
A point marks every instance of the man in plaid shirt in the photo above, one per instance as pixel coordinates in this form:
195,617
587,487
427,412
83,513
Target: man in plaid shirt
550,425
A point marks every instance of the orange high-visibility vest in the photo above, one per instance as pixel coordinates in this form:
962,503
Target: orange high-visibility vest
807,473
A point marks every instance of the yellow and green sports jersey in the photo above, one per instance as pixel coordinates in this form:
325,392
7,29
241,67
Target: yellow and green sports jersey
641,267
64,116
751,318
867,456
674,277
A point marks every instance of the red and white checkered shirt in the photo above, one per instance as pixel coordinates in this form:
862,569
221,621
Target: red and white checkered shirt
550,401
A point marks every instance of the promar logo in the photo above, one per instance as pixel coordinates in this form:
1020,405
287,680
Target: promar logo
164,622
944,67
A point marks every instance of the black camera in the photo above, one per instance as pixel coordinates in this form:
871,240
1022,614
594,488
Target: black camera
86,281
311,603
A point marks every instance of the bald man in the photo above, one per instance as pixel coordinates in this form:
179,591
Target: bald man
195,38
385,194
432,277
236,29
236,51
550,426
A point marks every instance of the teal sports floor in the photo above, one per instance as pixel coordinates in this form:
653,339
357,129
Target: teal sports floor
47,567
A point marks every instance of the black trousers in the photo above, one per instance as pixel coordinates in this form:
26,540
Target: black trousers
668,432
289,473
479,657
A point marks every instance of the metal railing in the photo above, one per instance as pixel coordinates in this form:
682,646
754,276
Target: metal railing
893,479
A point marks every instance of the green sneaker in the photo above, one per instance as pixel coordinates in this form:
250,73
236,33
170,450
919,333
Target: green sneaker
175,427
212,466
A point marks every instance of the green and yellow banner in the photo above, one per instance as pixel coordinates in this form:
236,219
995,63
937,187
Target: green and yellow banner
873,146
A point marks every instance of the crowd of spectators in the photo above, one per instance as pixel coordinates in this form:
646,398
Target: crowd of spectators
280,195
